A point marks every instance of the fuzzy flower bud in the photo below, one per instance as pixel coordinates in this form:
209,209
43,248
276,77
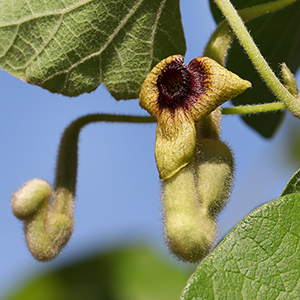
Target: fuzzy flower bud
48,226
289,80
214,175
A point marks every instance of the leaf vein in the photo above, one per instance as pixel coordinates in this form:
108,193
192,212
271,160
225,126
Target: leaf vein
107,43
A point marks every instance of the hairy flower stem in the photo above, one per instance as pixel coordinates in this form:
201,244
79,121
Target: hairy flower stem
253,109
237,25
66,171
67,160
49,224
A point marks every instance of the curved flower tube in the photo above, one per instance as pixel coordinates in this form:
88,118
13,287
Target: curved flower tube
48,226
48,213
178,96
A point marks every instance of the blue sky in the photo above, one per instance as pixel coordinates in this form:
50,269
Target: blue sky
118,186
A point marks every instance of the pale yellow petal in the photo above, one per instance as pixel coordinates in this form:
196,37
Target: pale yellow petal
220,84
175,144
148,98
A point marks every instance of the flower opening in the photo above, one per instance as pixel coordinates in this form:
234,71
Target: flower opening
173,85
178,96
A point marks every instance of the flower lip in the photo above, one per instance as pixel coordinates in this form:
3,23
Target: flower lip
173,85
178,96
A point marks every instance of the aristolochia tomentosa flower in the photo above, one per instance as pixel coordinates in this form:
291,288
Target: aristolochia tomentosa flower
178,96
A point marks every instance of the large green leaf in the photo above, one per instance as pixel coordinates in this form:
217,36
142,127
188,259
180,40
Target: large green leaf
133,273
259,259
70,46
278,37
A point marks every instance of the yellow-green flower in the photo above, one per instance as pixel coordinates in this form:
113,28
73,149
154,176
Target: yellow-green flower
178,96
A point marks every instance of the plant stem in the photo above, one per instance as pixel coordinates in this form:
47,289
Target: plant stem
250,109
258,10
220,41
257,59
67,160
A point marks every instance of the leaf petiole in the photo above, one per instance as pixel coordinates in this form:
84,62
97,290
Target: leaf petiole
252,109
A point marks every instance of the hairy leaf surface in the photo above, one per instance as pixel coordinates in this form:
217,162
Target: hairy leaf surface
71,46
259,259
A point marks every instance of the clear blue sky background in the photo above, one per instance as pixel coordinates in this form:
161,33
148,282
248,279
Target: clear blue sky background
118,185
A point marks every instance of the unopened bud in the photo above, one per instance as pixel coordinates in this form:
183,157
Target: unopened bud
289,80
29,198
214,174
48,226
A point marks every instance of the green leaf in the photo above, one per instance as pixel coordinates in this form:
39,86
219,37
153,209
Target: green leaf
278,37
70,46
259,259
293,185
131,273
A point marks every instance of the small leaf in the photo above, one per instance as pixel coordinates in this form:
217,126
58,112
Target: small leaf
69,47
259,259
278,37
293,186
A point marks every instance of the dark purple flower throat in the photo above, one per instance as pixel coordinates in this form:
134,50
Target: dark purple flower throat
174,86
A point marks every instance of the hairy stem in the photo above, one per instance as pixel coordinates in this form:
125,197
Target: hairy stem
257,59
49,225
258,10
220,41
66,171
252,109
